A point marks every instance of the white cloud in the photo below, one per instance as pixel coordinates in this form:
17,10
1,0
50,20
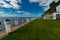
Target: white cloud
9,15
26,14
1,12
58,8
4,4
13,4
34,0
20,11
19,14
39,15
56,0
44,3
46,8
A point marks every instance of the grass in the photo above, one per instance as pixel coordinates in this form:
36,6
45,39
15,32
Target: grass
37,30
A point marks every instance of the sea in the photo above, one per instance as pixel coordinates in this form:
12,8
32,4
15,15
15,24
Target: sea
12,21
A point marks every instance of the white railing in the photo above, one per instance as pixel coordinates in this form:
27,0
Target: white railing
7,24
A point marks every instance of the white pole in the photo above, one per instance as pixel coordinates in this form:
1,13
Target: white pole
27,20
7,26
22,20
16,22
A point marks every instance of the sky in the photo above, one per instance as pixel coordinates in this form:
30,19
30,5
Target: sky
24,8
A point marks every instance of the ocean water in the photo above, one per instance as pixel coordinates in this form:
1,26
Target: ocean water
12,20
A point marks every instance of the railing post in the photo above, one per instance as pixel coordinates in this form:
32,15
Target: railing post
7,26
22,20
27,20
31,19
16,22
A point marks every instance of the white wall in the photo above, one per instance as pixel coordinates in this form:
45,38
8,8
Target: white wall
54,15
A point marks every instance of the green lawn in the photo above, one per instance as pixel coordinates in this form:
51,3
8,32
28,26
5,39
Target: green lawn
37,30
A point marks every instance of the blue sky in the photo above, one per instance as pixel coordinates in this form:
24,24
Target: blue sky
23,8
